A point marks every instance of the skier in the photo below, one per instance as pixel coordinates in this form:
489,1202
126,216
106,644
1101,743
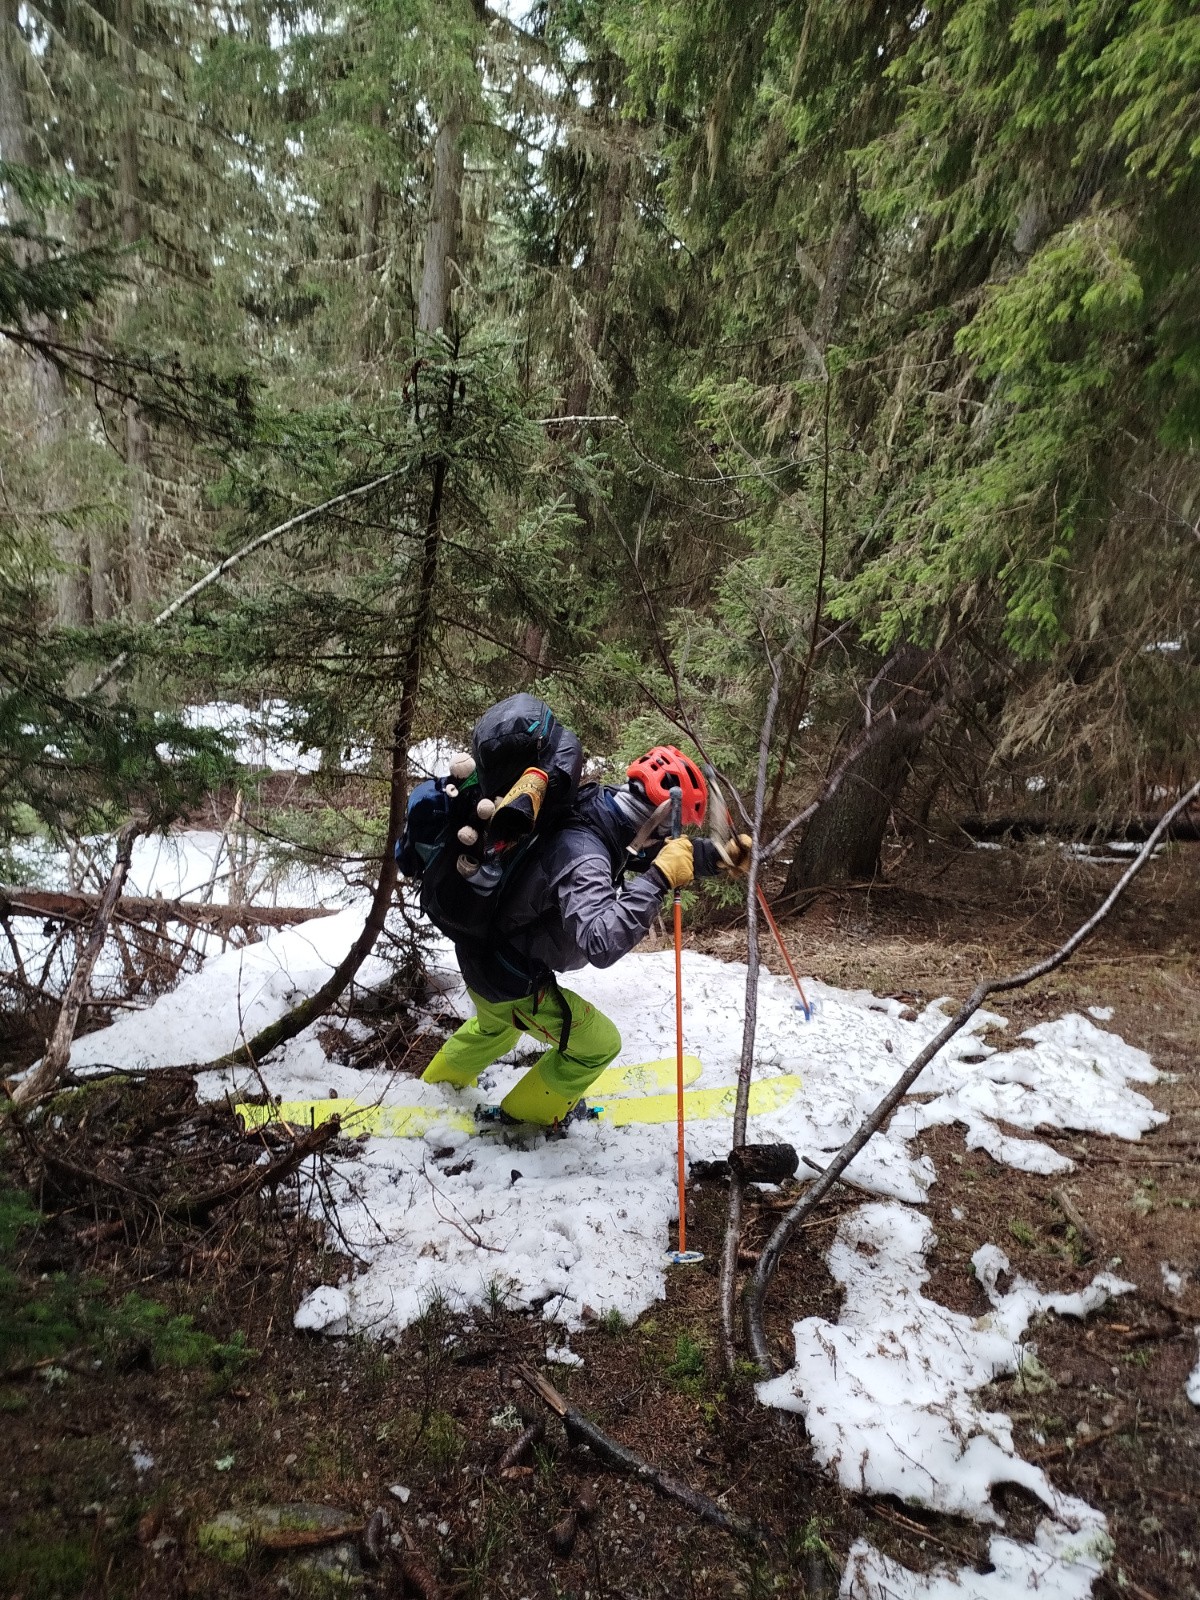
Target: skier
569,909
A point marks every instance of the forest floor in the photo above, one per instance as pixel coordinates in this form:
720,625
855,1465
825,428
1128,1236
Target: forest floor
130,1434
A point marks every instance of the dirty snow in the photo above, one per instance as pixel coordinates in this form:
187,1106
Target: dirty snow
886,1394
1054,1566
577,1227
1193,1383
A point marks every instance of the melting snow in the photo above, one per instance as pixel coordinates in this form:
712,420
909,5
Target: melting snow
577,1227
886,1391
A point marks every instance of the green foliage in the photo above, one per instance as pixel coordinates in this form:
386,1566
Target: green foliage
65,1312
896,316
42,1568
686,1371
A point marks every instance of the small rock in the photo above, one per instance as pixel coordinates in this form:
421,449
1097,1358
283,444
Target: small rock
401,1492
562,1534
587,1503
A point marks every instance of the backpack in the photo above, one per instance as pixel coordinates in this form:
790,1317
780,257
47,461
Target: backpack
508,740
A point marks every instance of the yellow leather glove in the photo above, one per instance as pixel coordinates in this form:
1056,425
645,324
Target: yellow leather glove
675,862
737,847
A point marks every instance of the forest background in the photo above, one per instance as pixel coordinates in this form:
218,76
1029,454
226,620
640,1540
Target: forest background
646,355
817,383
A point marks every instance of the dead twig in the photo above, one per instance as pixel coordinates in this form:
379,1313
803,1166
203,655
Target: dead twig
1055,1452
45,1075
849,1182
901,1521
1073,1215
581,1430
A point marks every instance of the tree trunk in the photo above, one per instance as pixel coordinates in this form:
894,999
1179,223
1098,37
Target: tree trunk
137,439
602,260
843,841
441,235
72,599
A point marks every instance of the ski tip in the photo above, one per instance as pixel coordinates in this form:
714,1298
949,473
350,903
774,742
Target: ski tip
683,1258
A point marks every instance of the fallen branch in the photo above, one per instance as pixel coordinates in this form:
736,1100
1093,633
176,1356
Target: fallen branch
1074,1216
1075,830
259,542
198,1208
777,1243
580,1429
55,906
45,1075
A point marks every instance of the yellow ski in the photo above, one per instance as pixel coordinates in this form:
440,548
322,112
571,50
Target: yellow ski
700,1105
413,1122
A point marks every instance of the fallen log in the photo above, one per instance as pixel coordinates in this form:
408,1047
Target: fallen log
59,906
1131,830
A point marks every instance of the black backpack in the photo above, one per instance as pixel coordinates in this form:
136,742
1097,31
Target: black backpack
512,737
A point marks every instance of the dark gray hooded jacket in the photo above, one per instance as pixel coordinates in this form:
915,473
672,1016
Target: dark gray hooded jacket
566,909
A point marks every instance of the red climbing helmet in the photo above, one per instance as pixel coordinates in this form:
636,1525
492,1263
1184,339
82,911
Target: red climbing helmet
664,768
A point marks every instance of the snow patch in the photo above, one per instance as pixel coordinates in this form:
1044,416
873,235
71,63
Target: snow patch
1052,1567
325,1310
886,1391
886,1395
214,1011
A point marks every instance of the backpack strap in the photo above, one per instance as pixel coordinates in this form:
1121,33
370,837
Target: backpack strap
564,1037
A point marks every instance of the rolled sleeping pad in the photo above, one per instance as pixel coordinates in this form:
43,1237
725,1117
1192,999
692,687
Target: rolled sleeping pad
522,733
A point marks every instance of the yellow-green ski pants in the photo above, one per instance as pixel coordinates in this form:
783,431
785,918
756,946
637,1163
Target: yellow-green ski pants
559,1077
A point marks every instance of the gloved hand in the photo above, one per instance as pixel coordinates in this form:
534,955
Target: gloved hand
675,862
737,848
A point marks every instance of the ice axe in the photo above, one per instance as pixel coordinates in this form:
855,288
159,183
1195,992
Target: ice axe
682,1257
720,830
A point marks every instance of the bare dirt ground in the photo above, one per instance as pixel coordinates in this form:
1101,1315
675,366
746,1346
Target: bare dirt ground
238,1411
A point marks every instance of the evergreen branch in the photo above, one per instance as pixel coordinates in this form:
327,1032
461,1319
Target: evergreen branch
259,542
669,472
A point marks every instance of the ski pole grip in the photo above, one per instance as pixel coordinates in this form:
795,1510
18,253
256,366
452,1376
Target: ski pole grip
676,813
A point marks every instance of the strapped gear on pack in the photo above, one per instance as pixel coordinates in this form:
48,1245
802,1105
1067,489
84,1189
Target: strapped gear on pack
466,842
665,768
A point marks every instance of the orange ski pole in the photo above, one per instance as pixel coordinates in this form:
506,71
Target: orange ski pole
783,951
682,1256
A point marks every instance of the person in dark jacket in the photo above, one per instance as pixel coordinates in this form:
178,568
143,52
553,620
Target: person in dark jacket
571,909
